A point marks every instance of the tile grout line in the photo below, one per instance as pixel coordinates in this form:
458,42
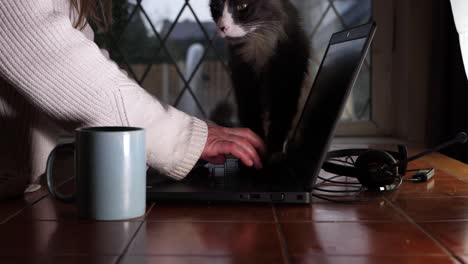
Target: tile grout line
129,243
460,260
441,246
188,222
210,221
282,237
119,259
22,209
35,202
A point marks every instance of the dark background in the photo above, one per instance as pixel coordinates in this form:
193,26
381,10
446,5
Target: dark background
448,92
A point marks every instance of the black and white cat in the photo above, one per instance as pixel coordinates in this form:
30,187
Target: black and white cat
269,53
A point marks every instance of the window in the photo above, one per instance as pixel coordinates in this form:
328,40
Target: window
171,49
321,19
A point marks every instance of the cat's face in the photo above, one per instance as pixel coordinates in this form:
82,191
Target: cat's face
239,18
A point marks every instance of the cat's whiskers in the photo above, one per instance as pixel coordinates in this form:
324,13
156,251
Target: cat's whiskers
263,37
262,22
264,27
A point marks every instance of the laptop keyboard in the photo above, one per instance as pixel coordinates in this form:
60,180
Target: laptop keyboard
233,172
222,175
275,176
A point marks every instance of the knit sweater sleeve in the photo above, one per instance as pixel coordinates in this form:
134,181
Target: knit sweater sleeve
460,13
64,75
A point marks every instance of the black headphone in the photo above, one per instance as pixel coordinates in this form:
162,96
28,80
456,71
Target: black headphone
378,169
374,169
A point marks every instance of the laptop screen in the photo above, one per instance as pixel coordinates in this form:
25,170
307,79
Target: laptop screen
326,101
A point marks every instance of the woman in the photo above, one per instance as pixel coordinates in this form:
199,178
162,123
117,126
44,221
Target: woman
53,79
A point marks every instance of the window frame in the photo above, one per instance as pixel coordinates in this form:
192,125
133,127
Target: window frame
380,123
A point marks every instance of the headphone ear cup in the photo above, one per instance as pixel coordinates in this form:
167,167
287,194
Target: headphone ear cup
371,163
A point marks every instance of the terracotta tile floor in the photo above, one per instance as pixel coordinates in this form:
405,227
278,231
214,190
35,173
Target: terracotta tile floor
200,260
454,235
207,239
419,223
65,238
45,259
372,260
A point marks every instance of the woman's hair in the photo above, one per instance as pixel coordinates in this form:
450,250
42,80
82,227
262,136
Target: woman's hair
97,11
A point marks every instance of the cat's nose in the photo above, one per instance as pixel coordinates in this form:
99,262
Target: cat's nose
224,28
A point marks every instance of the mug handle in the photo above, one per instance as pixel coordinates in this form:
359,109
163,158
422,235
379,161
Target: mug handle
50,178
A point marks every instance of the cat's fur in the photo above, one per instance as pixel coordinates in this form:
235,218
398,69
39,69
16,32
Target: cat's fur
269,53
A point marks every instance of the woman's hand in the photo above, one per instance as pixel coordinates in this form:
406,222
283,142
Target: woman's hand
239,142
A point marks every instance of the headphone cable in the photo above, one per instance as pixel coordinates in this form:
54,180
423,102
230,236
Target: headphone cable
338,182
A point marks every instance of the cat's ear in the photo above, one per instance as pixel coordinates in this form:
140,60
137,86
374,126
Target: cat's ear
213,3
215,8
216,2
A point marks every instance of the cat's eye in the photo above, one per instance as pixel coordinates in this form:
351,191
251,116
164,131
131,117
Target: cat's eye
242,7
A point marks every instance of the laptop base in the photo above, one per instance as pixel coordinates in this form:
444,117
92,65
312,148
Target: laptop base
201,185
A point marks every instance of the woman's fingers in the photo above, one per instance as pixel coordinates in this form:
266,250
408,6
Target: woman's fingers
220,159
249,148
241,143
241,152
249,135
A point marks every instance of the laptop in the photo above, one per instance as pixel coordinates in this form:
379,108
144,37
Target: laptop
292,178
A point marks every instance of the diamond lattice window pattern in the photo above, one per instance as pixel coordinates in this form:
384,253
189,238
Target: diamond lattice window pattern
171,49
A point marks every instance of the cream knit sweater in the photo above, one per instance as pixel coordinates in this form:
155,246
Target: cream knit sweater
53,79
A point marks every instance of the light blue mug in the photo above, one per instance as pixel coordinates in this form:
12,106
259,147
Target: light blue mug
110,172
